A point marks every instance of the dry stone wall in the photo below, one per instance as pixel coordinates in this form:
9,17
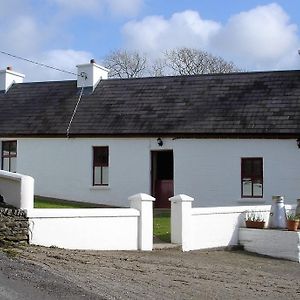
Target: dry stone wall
14,227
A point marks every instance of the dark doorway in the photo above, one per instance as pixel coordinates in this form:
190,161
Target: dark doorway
162,183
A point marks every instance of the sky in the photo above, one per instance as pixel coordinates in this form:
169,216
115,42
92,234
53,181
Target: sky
255,35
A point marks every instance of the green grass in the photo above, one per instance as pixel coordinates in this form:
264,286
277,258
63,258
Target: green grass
41,202
162,227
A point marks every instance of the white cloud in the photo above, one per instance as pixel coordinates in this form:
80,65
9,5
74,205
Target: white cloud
24,35
261,38
155,33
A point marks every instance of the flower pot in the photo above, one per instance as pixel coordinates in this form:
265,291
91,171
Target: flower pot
255,224
292,225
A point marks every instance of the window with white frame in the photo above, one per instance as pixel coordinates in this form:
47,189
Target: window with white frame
9,156
252,177
100,166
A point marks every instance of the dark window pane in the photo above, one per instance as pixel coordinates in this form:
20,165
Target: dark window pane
257,168
246,168
101,156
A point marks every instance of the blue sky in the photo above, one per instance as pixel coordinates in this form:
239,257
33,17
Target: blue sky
255,35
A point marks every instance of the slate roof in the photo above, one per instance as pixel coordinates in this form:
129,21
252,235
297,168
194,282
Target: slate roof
258,103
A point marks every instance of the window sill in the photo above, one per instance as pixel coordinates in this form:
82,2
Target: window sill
252,200
99,187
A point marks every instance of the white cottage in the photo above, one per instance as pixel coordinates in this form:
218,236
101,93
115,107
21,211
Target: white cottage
224,139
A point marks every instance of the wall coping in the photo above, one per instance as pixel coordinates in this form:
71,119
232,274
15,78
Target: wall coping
235,209
12,176
81,212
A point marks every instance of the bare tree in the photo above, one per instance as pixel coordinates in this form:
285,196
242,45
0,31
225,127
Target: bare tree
181,61
188,61
125,64
158,67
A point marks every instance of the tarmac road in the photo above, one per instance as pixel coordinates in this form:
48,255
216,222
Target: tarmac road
12,289
25,281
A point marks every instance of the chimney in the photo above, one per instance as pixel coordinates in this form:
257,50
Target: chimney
88,75
8,77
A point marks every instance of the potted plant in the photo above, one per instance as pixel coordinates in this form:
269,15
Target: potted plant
254,220
292,222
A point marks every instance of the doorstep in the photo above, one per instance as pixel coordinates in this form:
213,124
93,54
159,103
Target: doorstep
161,246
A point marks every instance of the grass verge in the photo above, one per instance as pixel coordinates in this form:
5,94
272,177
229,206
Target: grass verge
162,227
41,202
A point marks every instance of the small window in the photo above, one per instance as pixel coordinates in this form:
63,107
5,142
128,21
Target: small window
252,177
9,156
100,166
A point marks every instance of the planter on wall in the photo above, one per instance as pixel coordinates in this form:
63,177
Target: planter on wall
292,225
255,224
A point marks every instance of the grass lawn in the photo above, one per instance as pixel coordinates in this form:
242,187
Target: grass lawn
162,227
41,202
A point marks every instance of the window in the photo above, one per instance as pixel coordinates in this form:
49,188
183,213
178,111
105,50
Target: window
9,156
252,177
100,166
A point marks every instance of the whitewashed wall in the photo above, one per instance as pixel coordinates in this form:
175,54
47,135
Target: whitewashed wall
96,228
62,168
209,170
17,189
209,227
91,229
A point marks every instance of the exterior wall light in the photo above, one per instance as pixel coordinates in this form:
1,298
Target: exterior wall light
160,142
298,142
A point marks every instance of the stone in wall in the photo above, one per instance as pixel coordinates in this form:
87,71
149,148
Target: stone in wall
14,227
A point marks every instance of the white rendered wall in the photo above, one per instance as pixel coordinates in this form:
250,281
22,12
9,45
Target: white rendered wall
63,168
88,229
210,227
275,243
95,229
209,170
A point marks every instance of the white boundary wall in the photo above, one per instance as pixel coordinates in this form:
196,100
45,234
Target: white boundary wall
209,227
17,189
95,229
275,243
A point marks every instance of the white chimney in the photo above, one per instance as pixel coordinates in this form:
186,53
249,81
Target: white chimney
88,75
8,78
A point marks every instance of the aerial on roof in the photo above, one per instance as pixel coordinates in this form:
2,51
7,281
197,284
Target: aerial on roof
258,103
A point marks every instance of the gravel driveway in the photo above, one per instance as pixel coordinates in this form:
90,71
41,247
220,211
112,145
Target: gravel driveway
160,274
